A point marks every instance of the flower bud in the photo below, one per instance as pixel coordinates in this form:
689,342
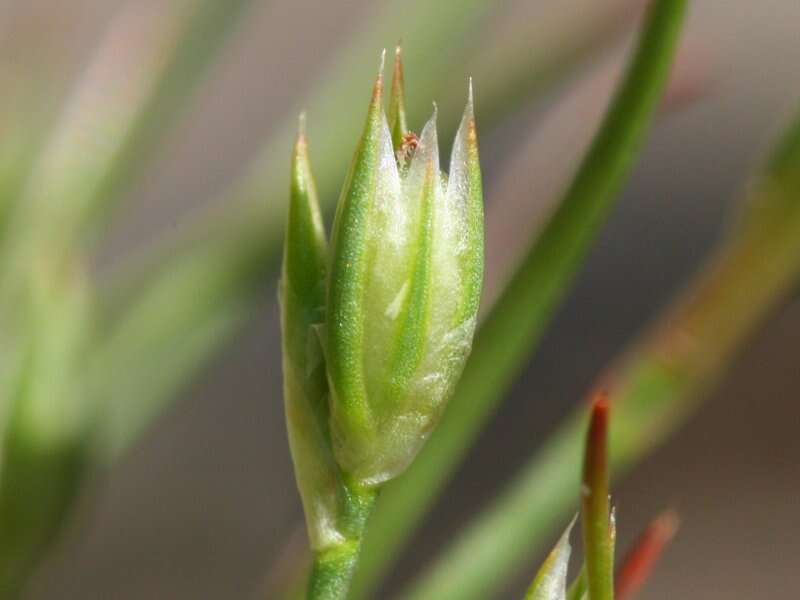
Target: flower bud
406,271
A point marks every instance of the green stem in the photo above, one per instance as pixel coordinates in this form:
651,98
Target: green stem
333,567
332,572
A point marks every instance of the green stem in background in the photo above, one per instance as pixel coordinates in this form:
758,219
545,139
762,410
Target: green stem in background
516,323
598,543
145,296
655,387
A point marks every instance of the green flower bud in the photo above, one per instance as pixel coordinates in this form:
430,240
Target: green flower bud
406,271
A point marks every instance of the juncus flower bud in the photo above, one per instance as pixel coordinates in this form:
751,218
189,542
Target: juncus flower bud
405,276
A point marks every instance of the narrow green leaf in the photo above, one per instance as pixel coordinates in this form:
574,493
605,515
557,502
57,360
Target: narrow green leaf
516,323
550,582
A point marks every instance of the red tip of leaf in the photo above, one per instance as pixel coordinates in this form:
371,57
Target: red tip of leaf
644,555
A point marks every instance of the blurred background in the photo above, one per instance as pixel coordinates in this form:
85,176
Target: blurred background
204,502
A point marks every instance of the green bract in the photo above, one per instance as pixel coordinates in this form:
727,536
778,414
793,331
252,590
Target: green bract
302,299
376,330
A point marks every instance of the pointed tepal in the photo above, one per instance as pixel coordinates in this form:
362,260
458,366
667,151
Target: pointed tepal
302,302
305,245
350,414
464,203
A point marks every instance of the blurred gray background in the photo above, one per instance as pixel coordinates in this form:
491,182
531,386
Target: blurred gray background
202,506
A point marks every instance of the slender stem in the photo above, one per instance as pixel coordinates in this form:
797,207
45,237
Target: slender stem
333,567
332,571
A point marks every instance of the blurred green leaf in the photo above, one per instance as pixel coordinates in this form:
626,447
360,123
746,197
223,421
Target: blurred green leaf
655,387
46,422
515,324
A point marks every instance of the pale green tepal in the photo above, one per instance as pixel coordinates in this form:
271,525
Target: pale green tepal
387,314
